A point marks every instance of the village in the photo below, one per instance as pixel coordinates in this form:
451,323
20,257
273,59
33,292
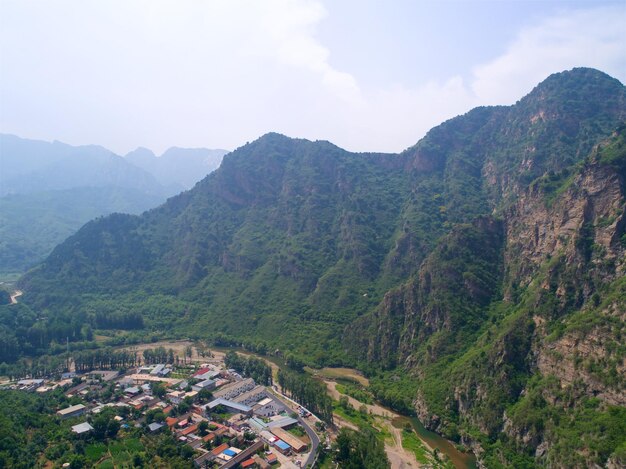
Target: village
225,420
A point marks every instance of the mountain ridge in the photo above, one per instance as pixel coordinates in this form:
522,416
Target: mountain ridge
441,264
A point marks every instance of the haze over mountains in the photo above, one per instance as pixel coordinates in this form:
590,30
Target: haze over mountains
48,190
477,277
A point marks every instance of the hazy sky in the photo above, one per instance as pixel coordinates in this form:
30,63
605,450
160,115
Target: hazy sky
367,75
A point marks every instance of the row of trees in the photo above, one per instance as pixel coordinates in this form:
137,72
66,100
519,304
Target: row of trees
105,358
308,392
255,368
158,355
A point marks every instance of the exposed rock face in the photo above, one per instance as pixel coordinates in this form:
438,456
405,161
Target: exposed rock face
588,216
570,359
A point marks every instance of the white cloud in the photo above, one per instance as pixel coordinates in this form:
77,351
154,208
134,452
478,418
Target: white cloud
396,117
220,72
590,38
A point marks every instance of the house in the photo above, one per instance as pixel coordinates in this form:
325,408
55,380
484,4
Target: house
82,428
189,430
252,396
176,397
271,458
296,443
282,422
262,463
249,463
242,455
204,460
207,375
283,447
207,384
155,427
72,411
232,390
228,405
219,449
171,421
76,389
200,372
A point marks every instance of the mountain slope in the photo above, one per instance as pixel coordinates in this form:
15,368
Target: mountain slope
32,224
471,265
49,190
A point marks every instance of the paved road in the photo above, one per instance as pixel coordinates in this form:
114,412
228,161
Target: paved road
315,441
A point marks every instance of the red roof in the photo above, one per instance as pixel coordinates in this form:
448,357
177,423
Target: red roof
189,430
171,421
248,463
271,458
219,449
201,371
167,409
209,437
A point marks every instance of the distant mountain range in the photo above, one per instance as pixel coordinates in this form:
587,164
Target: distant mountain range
177,167
48,190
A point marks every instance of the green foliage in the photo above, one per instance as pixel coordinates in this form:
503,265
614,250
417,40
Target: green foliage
251,367
411,442
360,450
356,391
308,392
582,430
613,151
32,224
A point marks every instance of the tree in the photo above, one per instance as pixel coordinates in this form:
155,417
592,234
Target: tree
158,389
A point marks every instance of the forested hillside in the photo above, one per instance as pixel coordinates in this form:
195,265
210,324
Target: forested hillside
478,264
49,190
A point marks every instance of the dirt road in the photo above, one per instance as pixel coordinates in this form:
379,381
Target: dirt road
15,295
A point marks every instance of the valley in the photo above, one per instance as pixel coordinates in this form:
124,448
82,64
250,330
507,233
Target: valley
474,282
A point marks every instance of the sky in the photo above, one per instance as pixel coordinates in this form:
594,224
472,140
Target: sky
367,75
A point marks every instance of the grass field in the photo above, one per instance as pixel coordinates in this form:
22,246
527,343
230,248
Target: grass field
412,443
95,451
118,454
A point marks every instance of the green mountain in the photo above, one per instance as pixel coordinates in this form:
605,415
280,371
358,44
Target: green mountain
478,276
49,190
32,224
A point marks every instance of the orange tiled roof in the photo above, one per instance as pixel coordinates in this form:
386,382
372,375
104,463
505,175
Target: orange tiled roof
220,448
189,430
